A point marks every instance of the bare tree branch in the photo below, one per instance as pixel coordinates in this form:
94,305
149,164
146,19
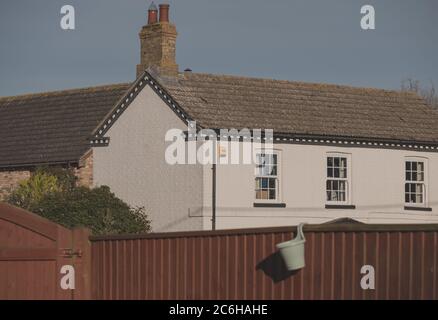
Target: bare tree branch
429,94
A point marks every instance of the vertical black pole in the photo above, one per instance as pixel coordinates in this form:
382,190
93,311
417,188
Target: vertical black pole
213,198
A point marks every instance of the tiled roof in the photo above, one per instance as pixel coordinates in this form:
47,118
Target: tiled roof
217,101
52,127
55,127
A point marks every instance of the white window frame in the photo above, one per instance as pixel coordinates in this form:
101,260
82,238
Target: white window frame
277,177
425,181
348,179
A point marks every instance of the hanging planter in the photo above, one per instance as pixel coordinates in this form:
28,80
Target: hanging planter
292,251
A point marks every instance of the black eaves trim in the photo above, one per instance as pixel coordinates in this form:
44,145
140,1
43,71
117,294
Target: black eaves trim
269,205
417,208
146,79
340,206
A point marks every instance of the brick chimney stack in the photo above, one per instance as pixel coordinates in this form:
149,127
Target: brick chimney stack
158,43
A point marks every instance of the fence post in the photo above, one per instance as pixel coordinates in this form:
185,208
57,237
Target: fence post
82,263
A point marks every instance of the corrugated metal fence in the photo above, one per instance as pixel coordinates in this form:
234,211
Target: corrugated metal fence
244,264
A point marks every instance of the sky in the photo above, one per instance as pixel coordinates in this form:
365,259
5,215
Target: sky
302,40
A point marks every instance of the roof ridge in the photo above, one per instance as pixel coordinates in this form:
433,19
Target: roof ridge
66,91
320,84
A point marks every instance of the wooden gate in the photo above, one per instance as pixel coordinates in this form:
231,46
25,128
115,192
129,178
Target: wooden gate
32,253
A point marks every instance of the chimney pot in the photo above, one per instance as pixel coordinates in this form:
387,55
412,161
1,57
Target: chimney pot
152,14
164,12
158,43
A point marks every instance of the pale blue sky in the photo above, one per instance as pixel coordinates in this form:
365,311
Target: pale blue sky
305,40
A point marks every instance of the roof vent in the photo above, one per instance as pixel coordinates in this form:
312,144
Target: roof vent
187,70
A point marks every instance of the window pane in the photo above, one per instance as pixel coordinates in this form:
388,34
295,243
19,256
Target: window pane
272,194
273,171
408,165
414,176
408,176
272,183
264,183
343,173
420,166
420,176
262,158
343,163
414,166
336,162
341,196
330,172
332,196
412,197
329,162
258,185
336,172
342,185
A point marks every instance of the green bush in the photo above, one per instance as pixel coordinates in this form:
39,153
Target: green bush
53,196
31,191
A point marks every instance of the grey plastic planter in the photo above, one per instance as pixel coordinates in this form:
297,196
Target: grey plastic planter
292,251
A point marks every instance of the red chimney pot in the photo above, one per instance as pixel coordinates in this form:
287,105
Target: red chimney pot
152,14
164,12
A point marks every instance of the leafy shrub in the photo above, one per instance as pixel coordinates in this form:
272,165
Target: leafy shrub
31,191
52,195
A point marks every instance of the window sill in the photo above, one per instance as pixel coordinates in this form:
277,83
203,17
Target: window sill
269,205
417,208
340,206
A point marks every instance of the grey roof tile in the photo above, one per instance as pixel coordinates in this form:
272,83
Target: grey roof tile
55,126
52,127
219,101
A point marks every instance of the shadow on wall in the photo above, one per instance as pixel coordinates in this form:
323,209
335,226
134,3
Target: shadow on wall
273,266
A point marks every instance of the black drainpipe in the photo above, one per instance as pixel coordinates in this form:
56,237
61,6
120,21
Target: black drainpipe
213,198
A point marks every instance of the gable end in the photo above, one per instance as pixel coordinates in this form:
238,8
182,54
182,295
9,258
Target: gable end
98,137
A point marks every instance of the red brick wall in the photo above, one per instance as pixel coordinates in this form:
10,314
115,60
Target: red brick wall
9,180
85,171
